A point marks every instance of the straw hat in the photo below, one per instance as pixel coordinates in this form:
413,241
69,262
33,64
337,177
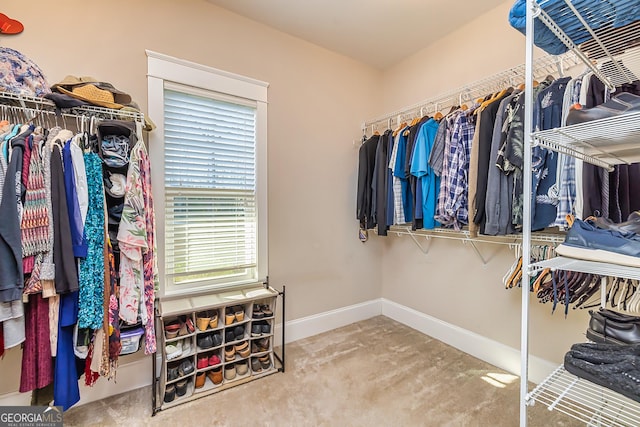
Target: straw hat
92,94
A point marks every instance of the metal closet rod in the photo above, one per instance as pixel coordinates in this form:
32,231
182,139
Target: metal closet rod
543,66
37,104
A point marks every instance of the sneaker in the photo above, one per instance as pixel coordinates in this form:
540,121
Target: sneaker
588,242
623,103
174,350
632,225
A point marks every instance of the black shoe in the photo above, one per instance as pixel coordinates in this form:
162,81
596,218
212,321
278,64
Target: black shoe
256,330
603,353
606,326
266,328
217,339
622,377
205,341
229,336
181,387
170,393
238,331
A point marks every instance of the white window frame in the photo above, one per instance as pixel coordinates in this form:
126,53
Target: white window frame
163,68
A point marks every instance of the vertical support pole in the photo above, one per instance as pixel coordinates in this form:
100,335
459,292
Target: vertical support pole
283,323
526,219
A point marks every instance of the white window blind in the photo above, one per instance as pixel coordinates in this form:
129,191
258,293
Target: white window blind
210,187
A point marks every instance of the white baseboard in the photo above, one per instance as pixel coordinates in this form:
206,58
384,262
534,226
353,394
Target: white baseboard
130,376
137,374
488,350
323,322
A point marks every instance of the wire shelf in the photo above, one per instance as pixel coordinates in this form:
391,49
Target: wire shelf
613,54
464,234
42,104
543,66
605,142
585,401
592,267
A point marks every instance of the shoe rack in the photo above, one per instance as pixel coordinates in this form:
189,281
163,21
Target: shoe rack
209,343
613,55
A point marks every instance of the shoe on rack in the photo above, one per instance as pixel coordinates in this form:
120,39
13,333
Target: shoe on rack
622,377
172,371
607,326
213,321
171,329
229,353
181,387
215,375
229,316
265,361
174,350
205,341
200,379
256,366
604,353
257,312
238,331
217,339
185,368
256,330
169,393
214,360
266,328
203,361
186,346
622,103
239,313
229,336
632,225
588,242
202,320
230,371
243,349
242,367
267,311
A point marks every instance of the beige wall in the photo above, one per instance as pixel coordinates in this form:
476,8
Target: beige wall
317,100
451,283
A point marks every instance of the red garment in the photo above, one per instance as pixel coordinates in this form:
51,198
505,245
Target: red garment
1,339
37,363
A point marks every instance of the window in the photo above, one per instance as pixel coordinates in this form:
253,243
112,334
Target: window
209,176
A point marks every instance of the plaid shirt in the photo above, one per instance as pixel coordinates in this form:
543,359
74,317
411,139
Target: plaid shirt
455,208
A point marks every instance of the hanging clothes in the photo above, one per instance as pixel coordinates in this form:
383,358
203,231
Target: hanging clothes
136,237
366,163
91,278
428,181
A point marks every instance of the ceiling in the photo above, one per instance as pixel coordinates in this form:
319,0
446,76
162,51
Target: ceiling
377,32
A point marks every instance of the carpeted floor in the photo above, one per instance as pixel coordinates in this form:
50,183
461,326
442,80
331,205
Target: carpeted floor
376,372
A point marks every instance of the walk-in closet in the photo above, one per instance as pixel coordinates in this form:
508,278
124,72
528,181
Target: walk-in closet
320,213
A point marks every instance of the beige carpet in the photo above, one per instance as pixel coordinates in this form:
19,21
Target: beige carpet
373,373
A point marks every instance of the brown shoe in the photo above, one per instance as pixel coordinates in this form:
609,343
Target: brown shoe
243,349
215,375
213,322
202,321
229,353
200,378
